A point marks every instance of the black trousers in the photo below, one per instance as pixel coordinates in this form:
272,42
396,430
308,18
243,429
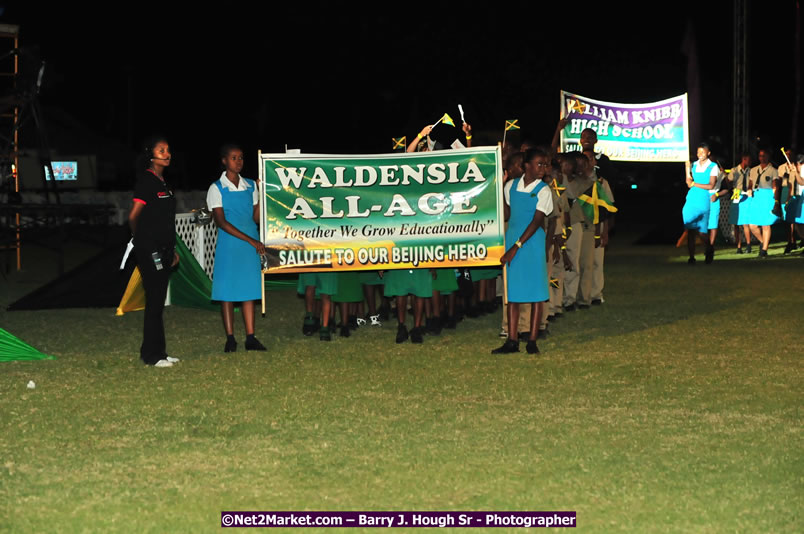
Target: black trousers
156,285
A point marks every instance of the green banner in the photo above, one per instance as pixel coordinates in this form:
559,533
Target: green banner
384,211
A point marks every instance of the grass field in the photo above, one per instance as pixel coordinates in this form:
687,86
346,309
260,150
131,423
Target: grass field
674,407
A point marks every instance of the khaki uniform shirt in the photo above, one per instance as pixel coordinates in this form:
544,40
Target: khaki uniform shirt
763,178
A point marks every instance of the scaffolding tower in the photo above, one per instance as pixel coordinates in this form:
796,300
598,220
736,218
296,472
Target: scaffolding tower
9,129
741,117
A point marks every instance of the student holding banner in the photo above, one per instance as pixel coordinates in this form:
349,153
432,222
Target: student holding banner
233,201
527,202
701,179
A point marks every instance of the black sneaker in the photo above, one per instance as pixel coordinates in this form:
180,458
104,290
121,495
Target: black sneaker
252,343
401,333
344,331
748,249
231,346
597,302
763,254
789,248
416,335
353,322
570,308
508,347
739,250
583,306
532,348
325,334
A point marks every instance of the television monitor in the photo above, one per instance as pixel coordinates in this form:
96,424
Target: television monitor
65,171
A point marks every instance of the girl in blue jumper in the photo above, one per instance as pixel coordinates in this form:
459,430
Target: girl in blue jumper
233,201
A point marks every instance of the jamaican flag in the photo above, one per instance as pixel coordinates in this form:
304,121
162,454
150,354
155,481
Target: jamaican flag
593,199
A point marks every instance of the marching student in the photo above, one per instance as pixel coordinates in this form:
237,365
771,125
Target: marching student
323,285
233,201
592,236
784,193
601,229
718,192
400,283
741,202
701,178
527,201
796,205
578,181
761,180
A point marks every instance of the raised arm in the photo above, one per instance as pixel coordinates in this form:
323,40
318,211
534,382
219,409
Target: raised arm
424,133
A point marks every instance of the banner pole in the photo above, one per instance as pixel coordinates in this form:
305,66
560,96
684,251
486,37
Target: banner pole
261,207
505,267
262,287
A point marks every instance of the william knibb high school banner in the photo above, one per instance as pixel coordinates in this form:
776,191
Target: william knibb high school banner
657,131
376,212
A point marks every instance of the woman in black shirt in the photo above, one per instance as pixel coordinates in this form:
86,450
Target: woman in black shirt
152,222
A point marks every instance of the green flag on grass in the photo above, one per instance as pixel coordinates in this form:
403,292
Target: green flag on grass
14,349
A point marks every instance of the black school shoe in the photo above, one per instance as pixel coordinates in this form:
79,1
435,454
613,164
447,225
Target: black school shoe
325,334
231,346
416,335
510,346
345,331
789,248
709,255
435,326
401,333
252,343
532,348
310,325
597,302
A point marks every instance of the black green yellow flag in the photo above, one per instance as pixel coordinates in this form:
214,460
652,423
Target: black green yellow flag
591,203
511,124
400,142
446,119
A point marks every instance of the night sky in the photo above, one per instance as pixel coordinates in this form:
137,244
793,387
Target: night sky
339,80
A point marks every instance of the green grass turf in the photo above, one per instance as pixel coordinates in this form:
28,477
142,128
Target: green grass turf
674,407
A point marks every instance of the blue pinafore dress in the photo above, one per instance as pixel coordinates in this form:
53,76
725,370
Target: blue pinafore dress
236,276
696,208
527,272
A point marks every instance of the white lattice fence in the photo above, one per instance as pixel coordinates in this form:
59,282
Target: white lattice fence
199,239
